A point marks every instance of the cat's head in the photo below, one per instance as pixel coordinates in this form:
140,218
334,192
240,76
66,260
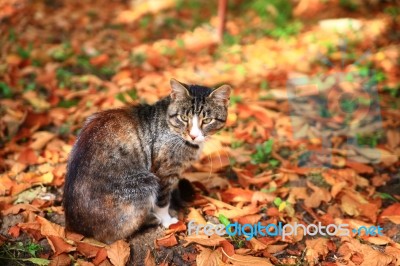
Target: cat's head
196,112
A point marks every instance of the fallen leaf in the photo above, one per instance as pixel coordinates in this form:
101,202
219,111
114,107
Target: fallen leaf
391,213
118,253
59,245
209,257
241,260
204,240
167,241
316,249
194,215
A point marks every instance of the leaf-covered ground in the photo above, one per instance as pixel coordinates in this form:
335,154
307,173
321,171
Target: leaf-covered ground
313,134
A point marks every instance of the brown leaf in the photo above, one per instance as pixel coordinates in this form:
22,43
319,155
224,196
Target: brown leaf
204,240
27,156
236,213
61,260
196,216
391,213
272,249
59,245
360,168
81,262
370,256
40,139
33,229
50,229
316,248
15,209
87,249
178,227
14,231
118,252
149,260
100,256
240,260
228,250
167,241
209,257
99,60
257,245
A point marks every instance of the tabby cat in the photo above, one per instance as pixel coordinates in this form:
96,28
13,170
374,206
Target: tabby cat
125,162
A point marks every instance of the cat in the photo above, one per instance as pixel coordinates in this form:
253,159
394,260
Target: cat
126,161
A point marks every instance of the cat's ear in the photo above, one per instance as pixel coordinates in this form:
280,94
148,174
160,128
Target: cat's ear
222,94
179,91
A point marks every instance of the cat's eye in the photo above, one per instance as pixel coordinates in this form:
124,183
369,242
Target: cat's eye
184,118
207,120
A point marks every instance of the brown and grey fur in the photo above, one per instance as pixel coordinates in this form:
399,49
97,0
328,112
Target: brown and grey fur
126,161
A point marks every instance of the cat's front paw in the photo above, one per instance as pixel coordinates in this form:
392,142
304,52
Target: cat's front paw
167,222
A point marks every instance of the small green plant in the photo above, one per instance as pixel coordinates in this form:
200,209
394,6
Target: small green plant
370,140
279,12
264,154
21,253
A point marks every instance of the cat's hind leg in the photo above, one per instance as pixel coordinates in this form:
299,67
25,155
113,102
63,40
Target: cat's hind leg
126,206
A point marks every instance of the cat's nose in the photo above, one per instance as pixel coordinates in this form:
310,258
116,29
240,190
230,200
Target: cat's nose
192,136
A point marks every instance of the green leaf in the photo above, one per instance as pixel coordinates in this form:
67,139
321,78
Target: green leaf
120,96
277,201
5,91
384,196
268,146
38,261
224,220
273,162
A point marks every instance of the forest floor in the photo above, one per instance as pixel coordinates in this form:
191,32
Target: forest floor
312,138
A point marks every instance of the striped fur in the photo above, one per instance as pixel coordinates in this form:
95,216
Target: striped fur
125,162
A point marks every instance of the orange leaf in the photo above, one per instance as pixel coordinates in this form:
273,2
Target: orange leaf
118,252
228,250
27,156
49,228
167,241
360,167
209,257
33,229
178,227
100,256
61,260
196,216
14,231
58,245
87,249
99,60
15,209
392,213
204,240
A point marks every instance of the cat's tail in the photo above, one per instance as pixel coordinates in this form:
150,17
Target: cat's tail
183,194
